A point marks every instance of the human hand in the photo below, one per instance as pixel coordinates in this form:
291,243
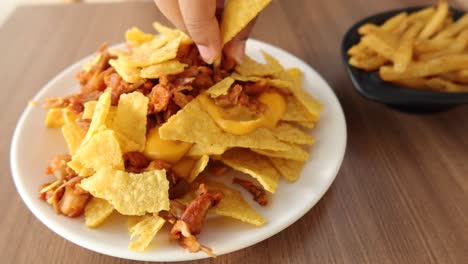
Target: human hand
198,18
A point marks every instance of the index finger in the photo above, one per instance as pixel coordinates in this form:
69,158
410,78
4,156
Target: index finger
201,23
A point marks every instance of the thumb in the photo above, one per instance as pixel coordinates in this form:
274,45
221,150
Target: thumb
235,49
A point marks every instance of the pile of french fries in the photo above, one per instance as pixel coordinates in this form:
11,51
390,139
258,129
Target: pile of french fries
426,49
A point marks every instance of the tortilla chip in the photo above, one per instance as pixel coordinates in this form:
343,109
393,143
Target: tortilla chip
80,169
130,193
145,229
310,103
129,74
292,134
198,167
250,67
130,121
234,205
96,211
294,153
307,124
220,88
289,169
254,165
165,68
295,75
132,220
184,167
296,111
272,61
54,118
101,150
73,135
137,37
57,117
281,85
205,131
98,122
237,14
172,33
89,64
151,53
89,109
238,77
199,150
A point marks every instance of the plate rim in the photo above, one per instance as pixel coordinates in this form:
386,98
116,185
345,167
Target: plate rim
63,232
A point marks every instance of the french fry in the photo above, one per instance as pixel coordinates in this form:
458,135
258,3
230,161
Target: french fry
455,77
463,74
431,45
453,29
368,64
424,69
422,15
456,47
440,84
356,49
367,28
377,44
393,23
404,54
436,21
416,83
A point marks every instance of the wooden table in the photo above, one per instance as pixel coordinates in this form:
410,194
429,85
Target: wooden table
401,195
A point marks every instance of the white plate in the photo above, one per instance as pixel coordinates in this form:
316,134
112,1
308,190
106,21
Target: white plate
33,146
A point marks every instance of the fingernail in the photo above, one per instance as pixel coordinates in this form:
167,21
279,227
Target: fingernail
208,54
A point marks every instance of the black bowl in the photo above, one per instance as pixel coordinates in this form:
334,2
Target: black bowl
369,84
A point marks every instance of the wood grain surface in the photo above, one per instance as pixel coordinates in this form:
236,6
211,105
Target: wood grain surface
401,195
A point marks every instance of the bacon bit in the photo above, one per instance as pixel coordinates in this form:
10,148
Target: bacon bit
181,232
73,201
259,194
146,87
175,212
93,80
55,102
177,208
135,162
203,79
74,196
158,165
59,168
47,189
83,123
190,223
171,110
118,86
159,98
197,209
76,107
76,101
219,74
179,188
217,168
181,99
230,99
256,88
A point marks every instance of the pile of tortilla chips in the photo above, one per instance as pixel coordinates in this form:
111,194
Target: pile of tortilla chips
264,155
